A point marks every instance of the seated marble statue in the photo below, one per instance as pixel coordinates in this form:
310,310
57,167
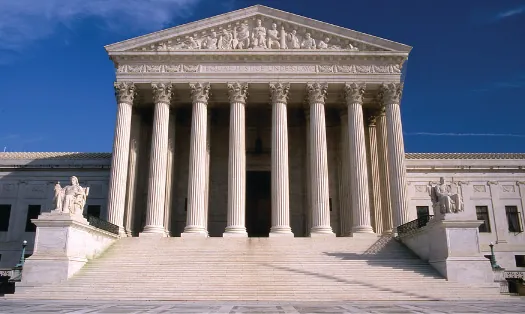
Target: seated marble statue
444,200
70,199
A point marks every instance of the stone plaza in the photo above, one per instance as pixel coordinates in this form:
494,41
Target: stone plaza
258,124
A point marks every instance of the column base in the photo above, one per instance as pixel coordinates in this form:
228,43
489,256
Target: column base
364,235
362,229
237,234
200,234
153,231
281,234
322,235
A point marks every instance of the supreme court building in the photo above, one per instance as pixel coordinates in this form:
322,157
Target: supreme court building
260,123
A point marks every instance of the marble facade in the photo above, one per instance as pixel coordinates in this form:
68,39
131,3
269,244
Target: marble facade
261,123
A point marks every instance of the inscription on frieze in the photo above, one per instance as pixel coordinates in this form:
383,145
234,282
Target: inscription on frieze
259,68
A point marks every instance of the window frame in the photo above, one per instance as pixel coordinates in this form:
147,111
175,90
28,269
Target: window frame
8,220
30,227
517,215
486,222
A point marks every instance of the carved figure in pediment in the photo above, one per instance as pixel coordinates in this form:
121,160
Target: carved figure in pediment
323,44
163,46
352,48
294,40
273,38
225,41
192,44
70,199
241,38
308,42
210,42
444,199
259,36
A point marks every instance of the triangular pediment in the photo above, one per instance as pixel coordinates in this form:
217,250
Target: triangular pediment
257,27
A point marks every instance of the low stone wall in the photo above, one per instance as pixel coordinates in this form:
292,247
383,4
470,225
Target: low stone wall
63,245
451,246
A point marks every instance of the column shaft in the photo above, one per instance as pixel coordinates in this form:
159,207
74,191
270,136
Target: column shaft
396,162
170,159
157,171
280,175
357,155
359,174
382,150
345,195
119,161
319,162
236,173
390,95
129,216
195,220
308,187
375,185
207,189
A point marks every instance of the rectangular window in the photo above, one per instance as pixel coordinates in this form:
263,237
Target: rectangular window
422,211
93,210
32,213
5,214
520,260
513,219
482,213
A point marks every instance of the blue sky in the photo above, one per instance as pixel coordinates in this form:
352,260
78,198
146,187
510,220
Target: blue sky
464,89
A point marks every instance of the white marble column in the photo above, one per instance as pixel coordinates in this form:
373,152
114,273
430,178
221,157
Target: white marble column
207,188
373,175
125,92
357,156
345,195
382,157
318,161
237,92
280,175
308,188
195,220
158,161
390,95
169,173
134,145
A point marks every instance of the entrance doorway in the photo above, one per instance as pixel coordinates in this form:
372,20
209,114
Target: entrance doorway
258,203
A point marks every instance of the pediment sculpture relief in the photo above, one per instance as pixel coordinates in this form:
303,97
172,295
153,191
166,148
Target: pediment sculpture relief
446,198
70,199
254,34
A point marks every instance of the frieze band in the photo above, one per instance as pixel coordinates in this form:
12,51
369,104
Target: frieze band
196,68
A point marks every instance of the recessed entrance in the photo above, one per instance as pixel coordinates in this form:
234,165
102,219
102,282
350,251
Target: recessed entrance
258,203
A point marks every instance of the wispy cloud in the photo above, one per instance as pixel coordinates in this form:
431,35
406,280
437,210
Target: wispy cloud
24,21
508,13
465,134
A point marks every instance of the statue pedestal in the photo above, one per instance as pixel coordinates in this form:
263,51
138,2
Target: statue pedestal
451,245
63,244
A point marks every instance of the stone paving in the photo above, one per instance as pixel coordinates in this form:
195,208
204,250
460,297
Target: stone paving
515,305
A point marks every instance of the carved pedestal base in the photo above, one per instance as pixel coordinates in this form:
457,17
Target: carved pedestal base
63,244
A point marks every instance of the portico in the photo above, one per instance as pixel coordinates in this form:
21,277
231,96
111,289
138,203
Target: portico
197,111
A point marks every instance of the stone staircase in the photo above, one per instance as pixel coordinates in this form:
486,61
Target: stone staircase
273,269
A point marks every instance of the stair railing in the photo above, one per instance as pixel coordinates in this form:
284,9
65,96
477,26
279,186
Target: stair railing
418,223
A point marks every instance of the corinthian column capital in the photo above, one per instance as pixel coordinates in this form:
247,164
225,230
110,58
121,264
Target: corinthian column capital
161,92
238,92
279,92
200,92
124,92
316,92
354,93
390,93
